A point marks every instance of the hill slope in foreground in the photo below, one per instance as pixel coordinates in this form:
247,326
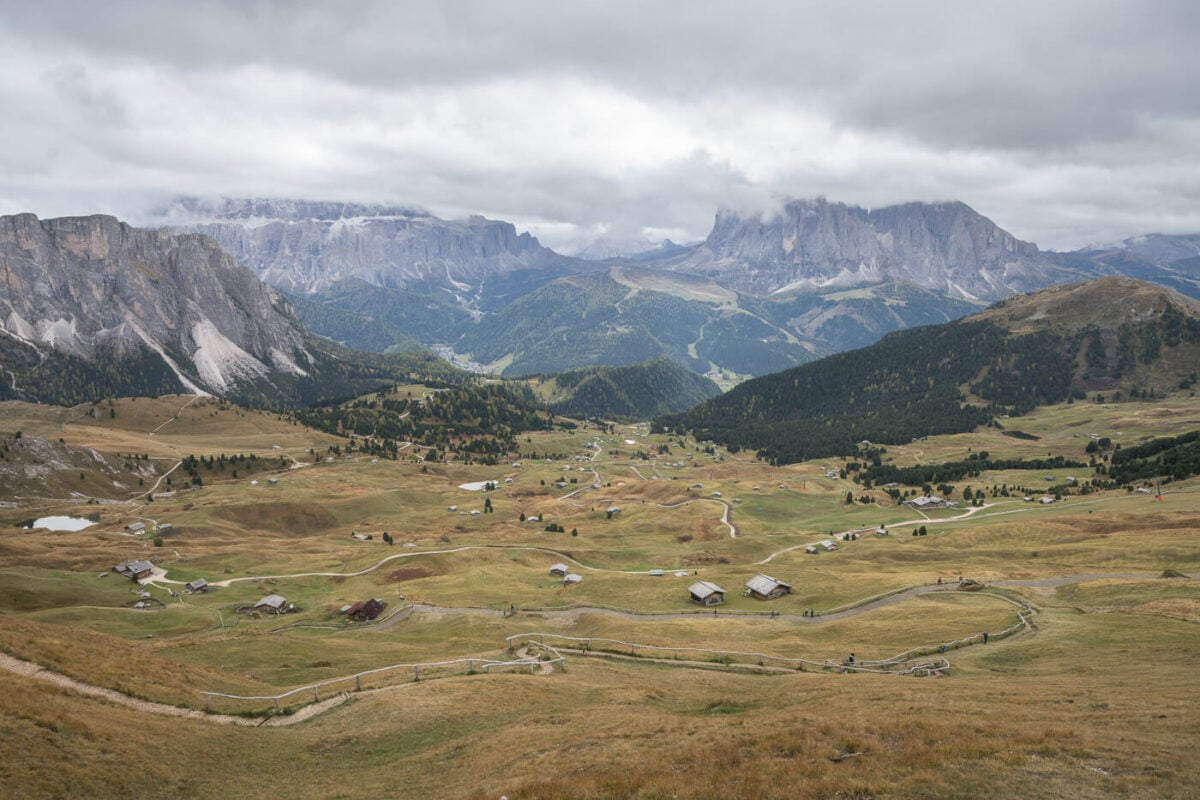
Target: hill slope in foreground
1094,698
1064,343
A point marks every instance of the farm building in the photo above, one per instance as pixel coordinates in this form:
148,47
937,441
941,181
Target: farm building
656,573
135,527
706,594
164,527
570,579
930,501
612,511
811,549
764,587
134,569
828,544
365,610
197,586
558,570
273,604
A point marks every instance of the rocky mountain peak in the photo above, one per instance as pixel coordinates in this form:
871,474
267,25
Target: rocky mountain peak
95,286
307,246
817,244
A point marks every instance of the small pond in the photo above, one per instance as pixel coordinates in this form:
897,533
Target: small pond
478,486
61,523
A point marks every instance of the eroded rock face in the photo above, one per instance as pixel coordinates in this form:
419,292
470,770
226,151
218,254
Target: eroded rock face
76,284
304,246
816,244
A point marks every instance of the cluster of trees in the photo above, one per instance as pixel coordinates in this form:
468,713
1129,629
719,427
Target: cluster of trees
904,387
378,318
929,474
238,465
65,379
476,421
1171,458
907,385
638,391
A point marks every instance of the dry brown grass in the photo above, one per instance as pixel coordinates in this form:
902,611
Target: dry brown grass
1098,701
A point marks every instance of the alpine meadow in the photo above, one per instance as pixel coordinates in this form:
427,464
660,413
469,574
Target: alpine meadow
534,401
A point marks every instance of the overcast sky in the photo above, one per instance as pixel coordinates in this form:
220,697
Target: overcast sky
1065,122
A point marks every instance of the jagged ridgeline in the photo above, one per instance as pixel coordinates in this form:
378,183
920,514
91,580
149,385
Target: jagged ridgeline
91,307
1113,335
635,392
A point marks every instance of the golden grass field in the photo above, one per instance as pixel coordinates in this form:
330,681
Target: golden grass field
1097,699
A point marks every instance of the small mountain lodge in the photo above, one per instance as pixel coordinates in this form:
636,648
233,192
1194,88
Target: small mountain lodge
134,570
273,604
570,579
764,587
558,570
929,501
365,610
135,527
197,586
706,594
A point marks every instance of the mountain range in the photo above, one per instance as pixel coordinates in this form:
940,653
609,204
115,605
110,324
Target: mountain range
117,309
759,294
91,307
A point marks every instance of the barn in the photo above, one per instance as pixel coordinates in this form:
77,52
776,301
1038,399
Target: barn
764,587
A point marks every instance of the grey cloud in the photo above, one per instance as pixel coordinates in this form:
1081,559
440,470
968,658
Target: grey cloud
1064,121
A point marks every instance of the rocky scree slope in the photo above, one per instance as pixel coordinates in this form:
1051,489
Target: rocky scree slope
94,289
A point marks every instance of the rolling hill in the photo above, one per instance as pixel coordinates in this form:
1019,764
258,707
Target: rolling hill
635,392
1110,335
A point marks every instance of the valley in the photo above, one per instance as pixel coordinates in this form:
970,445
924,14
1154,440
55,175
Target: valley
1060,702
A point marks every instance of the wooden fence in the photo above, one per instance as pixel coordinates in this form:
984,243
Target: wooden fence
916,665
391,675
924,660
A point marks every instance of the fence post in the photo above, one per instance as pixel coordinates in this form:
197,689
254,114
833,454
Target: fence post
316,697
358,683
417,673
277,709
208,703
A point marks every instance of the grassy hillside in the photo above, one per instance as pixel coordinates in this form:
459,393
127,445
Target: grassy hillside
621,317
635,392
1065,342
1093,700
362,316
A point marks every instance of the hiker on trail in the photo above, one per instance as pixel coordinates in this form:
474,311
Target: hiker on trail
942,650
850,660
939,580
985,637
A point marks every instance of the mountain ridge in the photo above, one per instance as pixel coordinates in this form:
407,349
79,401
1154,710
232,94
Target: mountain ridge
954,377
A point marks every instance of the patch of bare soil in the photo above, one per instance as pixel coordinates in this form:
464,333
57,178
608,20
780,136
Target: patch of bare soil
409,574
292,519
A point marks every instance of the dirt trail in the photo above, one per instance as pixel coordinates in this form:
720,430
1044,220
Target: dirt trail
37,672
